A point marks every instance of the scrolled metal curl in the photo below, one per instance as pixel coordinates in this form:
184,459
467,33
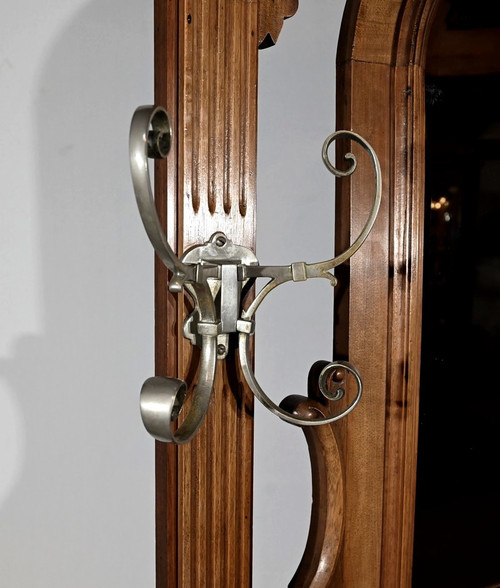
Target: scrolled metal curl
282,274
162,398
370,221
280,412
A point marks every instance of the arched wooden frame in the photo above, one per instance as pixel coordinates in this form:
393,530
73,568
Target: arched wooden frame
381,95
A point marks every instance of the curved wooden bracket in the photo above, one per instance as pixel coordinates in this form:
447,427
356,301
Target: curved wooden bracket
272,13
316,569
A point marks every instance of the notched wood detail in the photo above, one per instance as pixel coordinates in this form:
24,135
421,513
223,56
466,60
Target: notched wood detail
321,555
218,113
272,13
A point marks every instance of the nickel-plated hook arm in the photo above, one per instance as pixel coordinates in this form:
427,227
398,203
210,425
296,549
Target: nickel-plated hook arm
301,271
150,136
162,398
218,270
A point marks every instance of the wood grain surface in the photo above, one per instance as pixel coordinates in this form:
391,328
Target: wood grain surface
381,96
206,76
317,566
206,68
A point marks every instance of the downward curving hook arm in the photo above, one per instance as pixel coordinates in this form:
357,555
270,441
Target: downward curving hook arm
162,398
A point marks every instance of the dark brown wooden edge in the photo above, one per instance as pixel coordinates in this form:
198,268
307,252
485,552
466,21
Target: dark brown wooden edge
166,306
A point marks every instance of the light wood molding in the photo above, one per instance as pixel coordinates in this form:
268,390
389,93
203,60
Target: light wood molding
380,81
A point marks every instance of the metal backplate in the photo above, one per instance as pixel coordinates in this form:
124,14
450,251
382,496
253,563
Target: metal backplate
219,251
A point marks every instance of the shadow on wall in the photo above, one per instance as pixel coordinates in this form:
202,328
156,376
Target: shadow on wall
78,509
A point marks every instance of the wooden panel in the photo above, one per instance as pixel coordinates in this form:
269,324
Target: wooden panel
363,431
166,304
391,32
366,31
405,328
381,96
206,76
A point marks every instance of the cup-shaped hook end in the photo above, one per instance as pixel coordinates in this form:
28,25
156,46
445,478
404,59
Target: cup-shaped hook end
160,135
161,403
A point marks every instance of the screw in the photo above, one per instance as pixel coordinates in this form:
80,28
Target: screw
221,349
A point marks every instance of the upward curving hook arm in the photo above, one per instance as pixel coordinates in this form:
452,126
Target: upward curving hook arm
150,136
303,271
370,221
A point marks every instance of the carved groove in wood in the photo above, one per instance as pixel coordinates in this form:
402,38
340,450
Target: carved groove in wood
324,542
206,77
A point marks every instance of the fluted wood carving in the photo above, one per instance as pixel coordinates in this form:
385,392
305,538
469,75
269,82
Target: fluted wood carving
206,77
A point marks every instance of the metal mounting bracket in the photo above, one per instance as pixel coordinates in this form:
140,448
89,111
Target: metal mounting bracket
226,285
216,275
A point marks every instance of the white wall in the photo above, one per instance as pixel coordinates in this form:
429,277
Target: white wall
76,284
295,210
76,310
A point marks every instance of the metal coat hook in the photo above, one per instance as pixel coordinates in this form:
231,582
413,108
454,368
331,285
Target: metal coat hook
218,270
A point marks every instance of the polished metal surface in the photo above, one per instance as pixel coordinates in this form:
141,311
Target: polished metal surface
215,274
150,136
161,402
283,414
162,398
219,260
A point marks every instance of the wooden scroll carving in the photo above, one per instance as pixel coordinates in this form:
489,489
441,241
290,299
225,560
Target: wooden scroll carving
272,13
324,542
